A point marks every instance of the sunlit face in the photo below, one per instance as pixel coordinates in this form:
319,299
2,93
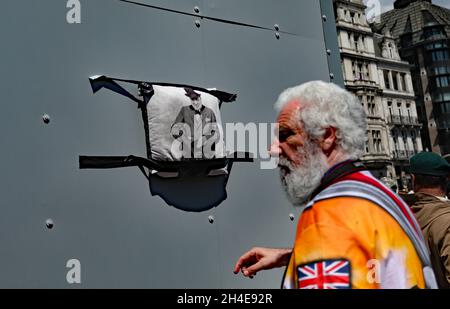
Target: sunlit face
301,161
290,134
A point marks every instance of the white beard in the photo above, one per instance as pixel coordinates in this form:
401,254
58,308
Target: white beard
299,182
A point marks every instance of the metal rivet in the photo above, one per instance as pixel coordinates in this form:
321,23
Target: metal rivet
49,223
329,52
197,23
331,75
277,35
46,118
276,27
196,9
292,217
211,219
324,17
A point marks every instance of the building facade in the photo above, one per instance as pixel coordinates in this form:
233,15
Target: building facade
422,32
398,104
374,72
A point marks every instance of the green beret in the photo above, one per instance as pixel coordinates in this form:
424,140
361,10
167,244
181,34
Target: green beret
429,163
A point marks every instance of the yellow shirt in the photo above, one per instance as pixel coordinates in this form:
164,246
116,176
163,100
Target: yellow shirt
348,242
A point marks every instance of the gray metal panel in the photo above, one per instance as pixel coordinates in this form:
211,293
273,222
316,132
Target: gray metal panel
331,42
258,67
107,219
292,16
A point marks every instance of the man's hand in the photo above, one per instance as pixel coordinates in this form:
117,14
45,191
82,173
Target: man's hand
261,259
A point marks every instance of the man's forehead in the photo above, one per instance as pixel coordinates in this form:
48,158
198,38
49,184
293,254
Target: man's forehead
288,109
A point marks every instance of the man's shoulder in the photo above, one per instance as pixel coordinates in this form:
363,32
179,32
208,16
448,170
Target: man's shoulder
185,108
345,206
207,110
427,198
352,193
353,214
430,203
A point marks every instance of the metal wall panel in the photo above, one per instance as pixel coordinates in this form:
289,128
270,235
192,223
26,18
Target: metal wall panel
107,219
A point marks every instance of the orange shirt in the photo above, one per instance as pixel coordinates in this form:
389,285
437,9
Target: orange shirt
348,242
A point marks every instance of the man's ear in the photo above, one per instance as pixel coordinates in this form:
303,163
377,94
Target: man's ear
328,143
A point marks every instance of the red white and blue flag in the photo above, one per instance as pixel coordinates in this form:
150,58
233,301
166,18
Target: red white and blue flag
327,274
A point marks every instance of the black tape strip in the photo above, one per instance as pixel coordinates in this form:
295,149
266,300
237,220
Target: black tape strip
221,95
220,20
109,83
105,162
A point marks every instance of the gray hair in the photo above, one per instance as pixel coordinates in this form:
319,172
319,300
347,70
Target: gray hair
326,105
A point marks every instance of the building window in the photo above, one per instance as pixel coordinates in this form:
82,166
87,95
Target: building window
403,81
434,33
410,118
440,97
352,16
440,55
442,81
394,80
395,139
376,141
405,140
367,142
436,45
414,141
360,98
371,106
386,79
441,70
399,106
359,72
444,107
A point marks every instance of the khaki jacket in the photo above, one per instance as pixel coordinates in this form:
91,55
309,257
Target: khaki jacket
433,216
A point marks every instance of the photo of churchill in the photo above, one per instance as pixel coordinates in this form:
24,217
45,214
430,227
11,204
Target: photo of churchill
196,127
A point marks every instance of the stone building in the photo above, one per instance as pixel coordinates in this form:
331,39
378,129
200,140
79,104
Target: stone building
398,104
374,72
422,32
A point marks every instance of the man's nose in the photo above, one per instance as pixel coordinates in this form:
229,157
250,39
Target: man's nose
275,149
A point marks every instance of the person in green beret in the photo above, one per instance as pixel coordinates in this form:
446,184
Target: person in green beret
431,207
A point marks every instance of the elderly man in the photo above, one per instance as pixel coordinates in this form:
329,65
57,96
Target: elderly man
201,125
432,209
353,232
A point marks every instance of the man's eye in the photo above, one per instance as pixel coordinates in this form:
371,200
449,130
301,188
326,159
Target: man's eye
284,135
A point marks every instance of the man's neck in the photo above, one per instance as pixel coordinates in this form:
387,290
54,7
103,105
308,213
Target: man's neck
336,157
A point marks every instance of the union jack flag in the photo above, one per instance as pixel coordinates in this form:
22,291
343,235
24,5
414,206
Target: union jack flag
327,274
